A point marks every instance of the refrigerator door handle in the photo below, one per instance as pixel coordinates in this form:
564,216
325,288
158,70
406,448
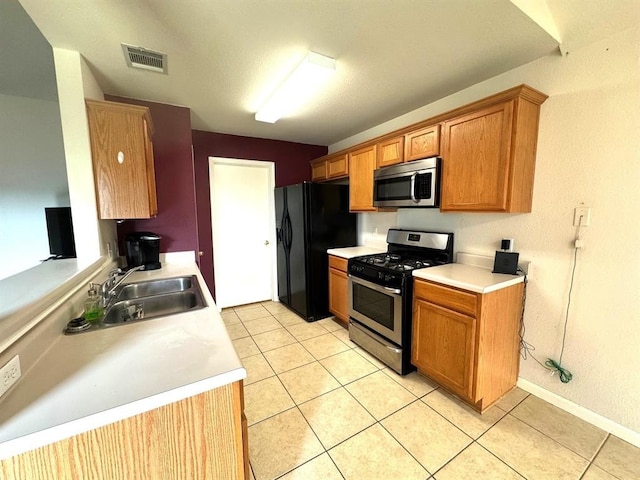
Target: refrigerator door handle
290,232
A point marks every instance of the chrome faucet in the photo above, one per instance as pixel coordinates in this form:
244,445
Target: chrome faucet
108,288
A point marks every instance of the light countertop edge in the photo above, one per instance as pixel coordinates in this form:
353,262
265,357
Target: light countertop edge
350,252
75,427
78,403
468,277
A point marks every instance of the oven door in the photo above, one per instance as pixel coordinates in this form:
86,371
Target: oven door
377,307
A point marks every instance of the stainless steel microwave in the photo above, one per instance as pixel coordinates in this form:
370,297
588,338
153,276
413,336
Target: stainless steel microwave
411,184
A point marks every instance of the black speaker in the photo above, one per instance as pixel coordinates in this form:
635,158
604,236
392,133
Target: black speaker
506,262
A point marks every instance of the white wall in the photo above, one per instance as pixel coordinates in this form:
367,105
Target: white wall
588,153
33,176
75,82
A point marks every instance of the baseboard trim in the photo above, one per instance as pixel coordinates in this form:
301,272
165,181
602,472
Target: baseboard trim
593,418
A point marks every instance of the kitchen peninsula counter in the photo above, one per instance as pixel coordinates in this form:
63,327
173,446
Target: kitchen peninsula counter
88,380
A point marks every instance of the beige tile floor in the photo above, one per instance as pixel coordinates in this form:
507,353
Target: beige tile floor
319,407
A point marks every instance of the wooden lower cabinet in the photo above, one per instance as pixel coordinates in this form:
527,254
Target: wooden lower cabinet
467,342
338,288
200,437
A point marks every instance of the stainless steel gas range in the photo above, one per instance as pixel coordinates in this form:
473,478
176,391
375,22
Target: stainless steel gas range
381,291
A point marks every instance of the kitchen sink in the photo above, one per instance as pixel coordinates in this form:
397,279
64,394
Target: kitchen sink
139,301
144,308
156,287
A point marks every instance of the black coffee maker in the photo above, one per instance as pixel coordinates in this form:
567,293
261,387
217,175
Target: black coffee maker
143,248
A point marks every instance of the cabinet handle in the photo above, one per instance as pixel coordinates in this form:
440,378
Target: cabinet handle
120,158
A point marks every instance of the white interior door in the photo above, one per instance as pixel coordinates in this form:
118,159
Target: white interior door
243,227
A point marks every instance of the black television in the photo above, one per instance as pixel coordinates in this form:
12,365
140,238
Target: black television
60,229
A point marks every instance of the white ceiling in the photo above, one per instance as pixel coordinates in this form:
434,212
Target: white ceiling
392,56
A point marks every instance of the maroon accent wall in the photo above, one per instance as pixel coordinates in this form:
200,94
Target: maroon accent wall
292,166
175,180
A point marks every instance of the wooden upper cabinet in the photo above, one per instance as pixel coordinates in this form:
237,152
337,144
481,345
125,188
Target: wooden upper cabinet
337,166
362,163
319,170
489,156
330,167
390,152
422,143
122,154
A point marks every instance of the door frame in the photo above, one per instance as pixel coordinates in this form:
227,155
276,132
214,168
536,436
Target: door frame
271,166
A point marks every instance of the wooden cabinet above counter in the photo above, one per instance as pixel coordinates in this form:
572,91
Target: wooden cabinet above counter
488,151
123,166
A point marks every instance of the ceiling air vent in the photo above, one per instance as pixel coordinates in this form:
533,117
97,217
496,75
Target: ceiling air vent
138,57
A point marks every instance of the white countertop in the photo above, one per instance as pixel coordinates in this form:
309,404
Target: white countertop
350,252
88,380
469,277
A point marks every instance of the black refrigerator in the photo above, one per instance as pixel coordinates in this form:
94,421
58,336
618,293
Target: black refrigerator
310,218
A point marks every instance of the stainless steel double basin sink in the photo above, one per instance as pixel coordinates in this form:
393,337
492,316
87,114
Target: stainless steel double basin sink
154,298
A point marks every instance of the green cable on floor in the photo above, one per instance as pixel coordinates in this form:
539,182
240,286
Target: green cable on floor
565,375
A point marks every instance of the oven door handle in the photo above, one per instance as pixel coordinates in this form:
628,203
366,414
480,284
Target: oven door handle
374,286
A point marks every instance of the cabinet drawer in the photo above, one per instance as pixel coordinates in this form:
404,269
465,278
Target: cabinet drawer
338,263
457,300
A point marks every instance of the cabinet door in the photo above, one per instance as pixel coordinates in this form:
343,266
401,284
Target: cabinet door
476,166
338,166
122,160
318,170
338,294
390,152
443,346
422,143
362,163
151,172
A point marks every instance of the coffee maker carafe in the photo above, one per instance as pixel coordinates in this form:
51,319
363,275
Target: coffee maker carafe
143,248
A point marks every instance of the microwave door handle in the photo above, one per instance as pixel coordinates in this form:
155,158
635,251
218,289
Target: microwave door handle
412,187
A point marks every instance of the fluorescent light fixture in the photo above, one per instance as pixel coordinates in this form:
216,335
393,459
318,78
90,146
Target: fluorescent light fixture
301,84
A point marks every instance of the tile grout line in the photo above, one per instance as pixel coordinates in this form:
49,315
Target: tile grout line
558,442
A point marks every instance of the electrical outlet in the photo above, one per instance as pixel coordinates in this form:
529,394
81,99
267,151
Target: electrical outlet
9,374
583,213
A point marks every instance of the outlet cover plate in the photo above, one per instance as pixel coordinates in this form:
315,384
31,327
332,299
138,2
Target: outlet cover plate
9,374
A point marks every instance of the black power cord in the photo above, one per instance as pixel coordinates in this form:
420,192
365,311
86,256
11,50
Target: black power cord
526,349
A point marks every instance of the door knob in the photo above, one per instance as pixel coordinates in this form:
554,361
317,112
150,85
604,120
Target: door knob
266,242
